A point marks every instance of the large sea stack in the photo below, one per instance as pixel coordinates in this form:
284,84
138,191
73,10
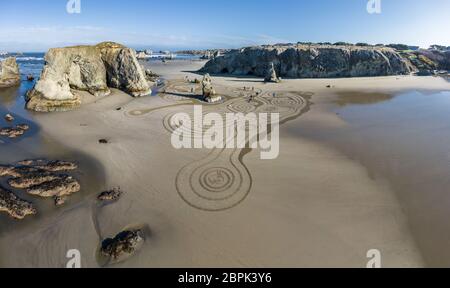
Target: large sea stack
9,73
94,69
311,61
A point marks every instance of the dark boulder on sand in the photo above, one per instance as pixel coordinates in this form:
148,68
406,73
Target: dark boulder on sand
122,246
110,195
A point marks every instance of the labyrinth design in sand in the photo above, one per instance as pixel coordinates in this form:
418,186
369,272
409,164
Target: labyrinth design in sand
221,180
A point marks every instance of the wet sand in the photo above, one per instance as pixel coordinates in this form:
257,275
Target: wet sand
314,206
317,205
15,251
404,140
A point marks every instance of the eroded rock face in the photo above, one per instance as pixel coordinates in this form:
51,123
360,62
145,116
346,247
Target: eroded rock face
435,59
209,94
13,131
9,73
14,206
272,75
94,69
37,102
123,69
311,61
207,87
123,246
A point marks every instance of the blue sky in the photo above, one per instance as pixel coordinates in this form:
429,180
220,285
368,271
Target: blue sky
36,25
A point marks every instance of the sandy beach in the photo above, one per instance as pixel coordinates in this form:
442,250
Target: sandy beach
313,206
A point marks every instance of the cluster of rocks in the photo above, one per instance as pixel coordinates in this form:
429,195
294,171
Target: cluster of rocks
9,73
94,69
126,243
13,132
311,61
202,53
141,55
429,61
208,91
122,246
39,178
211,54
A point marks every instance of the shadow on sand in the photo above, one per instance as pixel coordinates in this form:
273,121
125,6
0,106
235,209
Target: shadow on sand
190,96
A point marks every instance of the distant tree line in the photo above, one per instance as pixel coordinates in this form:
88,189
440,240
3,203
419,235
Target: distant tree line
399,47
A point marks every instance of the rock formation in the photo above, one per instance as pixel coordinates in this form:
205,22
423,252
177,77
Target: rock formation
124,245
209,94
123,69
40,178
9,73
14,206
311,61
94,69
110,196
271,75
9,117
428,62
150,76
141,55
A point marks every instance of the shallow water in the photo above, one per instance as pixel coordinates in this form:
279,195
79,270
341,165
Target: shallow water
404,139
37,145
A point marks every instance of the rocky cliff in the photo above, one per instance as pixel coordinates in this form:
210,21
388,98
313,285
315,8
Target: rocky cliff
311,61
94,69
439,59
9,73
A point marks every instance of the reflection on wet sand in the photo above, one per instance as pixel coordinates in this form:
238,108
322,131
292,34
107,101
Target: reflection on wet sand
357,97
36,145
406,141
